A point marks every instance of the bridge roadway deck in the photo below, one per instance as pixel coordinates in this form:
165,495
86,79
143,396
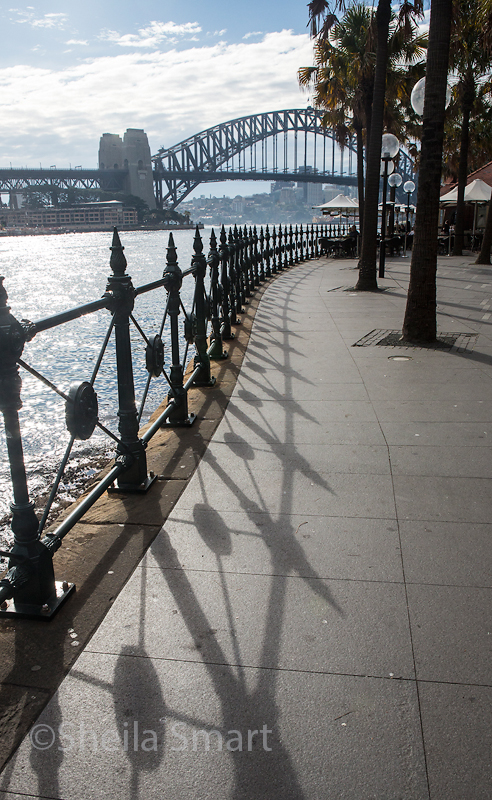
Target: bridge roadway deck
323,579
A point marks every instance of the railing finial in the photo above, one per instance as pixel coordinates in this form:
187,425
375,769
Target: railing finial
117,262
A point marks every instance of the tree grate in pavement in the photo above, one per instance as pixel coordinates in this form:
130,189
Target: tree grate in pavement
457,342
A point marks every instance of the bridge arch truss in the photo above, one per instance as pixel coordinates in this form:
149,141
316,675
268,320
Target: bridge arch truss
275,146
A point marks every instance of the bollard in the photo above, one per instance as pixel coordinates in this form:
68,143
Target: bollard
29,588
200,320
216,349
178,395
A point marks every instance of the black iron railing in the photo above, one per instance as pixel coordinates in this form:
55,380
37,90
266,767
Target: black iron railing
237,264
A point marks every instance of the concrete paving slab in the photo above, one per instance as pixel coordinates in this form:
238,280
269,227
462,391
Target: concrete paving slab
320,411
451,633
244,427
308,459
274,386
227,487
433,411
191,707
460,462
456,726
447,499
209,616
438,434
447,553
338,371
255,543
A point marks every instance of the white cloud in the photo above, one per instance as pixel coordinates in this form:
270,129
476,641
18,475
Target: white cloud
153,35
253,33
77,41
60,115
46,21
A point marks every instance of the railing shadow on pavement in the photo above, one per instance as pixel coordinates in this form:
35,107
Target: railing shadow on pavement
245,692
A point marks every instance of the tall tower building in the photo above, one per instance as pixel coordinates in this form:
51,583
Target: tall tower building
131,153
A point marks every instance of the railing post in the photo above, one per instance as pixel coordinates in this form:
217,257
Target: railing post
226,330
30,580
177,395
274,250
261,240
216,349
248,264
131,450
256,274
301,236
202,358
286,247
233,294
268,271
280,250
297,257
241,281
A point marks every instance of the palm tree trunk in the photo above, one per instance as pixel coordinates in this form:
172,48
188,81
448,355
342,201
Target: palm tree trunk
420,315
466,107
367,264
360,172
484,255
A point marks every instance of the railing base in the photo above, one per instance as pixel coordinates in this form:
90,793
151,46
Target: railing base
46,611
131,488
210,382
180,423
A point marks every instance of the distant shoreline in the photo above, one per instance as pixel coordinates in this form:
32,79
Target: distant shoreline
97,229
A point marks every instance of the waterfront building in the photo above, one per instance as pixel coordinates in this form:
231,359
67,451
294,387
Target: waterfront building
89,216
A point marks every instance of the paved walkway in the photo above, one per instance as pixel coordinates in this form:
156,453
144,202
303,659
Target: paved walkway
313,619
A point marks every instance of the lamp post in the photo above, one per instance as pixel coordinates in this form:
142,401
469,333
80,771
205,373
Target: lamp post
394,180
389,150
408,187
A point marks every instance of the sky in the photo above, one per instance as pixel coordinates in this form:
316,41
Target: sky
71,71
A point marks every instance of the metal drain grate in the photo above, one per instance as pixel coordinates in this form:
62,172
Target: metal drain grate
457,342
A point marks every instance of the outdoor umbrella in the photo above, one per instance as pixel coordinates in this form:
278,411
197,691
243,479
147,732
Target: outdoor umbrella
477,192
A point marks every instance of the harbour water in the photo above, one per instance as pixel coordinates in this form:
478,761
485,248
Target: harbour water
45,275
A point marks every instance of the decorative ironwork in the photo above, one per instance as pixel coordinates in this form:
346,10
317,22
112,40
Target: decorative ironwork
29,587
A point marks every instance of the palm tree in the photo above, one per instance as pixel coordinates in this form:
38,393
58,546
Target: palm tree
343,79
471,61
480,146
367,263
484,255
420,315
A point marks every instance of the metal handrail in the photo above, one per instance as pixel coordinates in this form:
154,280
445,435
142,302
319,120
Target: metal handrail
242,260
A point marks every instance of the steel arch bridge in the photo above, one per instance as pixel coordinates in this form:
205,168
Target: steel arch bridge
275,146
